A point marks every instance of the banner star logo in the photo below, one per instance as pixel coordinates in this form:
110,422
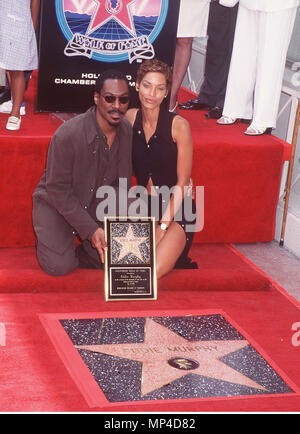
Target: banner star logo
162,346
118,10
130,244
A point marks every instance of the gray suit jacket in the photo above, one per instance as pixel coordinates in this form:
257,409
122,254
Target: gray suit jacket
68,186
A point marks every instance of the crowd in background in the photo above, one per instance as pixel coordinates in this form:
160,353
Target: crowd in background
247,47
246,54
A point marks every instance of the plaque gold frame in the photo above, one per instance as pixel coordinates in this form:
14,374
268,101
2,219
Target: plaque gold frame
132,272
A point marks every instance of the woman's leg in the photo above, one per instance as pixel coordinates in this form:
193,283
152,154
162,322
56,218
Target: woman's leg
169,249
17,83
182,59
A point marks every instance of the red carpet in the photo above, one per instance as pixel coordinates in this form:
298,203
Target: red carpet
220,269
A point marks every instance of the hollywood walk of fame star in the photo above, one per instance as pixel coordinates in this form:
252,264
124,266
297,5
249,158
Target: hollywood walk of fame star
105,12
130,244
161,345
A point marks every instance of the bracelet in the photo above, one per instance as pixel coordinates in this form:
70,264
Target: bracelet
163,226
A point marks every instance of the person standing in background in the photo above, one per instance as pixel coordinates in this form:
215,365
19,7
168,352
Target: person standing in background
221,29
18,49
263,33
193,19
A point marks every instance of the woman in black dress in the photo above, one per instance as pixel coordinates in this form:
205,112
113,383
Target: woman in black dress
162,156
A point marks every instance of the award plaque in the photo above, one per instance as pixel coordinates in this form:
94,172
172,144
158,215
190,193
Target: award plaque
130,271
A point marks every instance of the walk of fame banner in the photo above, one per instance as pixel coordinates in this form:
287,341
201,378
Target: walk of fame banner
81,39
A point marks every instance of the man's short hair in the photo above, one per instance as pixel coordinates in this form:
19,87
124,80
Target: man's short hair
111,74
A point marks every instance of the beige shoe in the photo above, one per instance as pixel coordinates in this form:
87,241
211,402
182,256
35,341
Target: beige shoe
253,130
174,109
226,120
13,123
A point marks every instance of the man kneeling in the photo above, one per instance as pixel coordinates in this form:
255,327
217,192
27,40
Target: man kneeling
87,152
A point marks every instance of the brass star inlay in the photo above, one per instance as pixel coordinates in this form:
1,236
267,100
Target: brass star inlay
161,345
130,244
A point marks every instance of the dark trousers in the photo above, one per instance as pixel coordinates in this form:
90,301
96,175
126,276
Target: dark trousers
221,30
57,255
60,264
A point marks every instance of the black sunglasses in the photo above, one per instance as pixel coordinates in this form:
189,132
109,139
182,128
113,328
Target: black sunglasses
110,99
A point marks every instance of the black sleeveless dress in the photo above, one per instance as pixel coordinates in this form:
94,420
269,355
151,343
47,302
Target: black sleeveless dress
157,160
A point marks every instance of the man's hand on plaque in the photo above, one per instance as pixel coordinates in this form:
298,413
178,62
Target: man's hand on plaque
98,242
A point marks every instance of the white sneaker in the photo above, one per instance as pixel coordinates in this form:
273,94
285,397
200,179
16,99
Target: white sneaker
6,107
13,123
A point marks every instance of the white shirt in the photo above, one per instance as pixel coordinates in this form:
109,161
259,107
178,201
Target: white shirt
263,5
